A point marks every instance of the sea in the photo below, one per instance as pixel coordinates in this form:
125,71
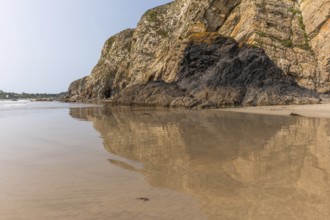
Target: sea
81,162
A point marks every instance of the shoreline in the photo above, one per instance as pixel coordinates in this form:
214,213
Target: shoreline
321,110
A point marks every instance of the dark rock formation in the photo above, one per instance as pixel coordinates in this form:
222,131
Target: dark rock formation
155,93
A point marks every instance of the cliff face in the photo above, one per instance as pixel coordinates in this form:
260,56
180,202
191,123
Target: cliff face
293,34
109,73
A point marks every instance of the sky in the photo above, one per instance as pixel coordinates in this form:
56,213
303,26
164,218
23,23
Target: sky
47,44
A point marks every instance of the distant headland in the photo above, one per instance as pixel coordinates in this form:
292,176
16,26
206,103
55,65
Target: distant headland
32,96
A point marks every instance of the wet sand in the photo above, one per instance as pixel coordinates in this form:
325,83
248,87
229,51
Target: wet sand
75,162
316,111
55,167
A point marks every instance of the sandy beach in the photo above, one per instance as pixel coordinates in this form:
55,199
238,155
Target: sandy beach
72,162
315,111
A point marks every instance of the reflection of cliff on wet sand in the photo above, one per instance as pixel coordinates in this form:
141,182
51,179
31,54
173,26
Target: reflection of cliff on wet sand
238,166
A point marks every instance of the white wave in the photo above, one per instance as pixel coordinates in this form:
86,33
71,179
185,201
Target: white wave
8,104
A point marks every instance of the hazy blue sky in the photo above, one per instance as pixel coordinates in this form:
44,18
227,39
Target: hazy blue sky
46,44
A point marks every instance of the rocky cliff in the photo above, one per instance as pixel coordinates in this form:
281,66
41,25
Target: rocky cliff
214,53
